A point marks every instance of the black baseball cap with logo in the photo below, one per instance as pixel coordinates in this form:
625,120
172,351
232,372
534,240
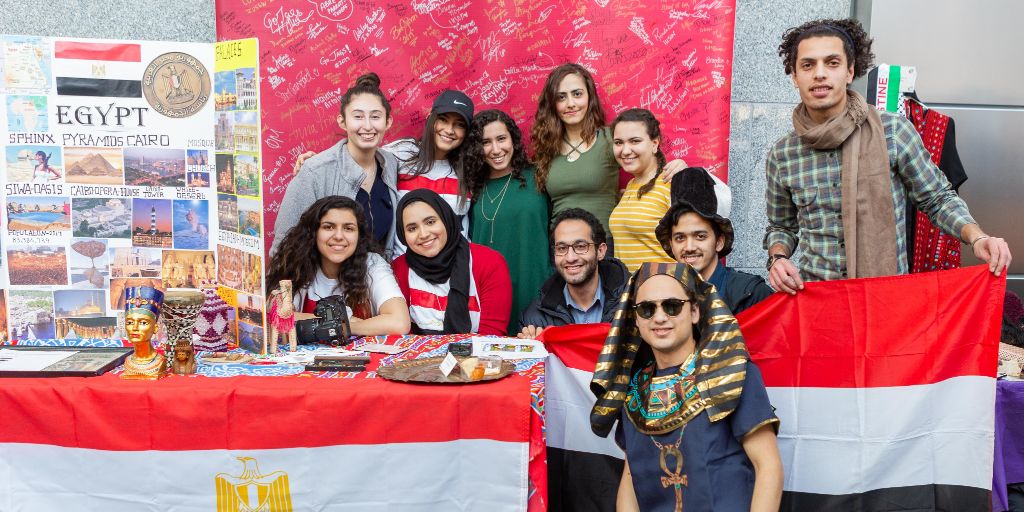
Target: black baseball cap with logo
454,101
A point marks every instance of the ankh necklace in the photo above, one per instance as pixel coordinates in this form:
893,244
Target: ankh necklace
674,478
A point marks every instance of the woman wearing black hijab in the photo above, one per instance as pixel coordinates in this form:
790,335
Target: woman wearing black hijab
452,285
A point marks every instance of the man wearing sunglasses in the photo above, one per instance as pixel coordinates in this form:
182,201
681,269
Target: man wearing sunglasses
692,232
692,412
586,285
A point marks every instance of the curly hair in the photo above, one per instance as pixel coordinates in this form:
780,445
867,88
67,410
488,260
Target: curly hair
548,132
368,83
298,259
653,126
856,42
474,160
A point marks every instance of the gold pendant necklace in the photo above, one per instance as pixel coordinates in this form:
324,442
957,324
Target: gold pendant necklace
499,199
674,478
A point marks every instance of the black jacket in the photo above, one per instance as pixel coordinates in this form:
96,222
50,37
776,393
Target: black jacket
549,307
743,290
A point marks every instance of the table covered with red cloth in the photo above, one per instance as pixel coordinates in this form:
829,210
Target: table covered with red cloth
302,442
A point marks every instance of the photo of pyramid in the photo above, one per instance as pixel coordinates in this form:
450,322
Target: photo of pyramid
94,166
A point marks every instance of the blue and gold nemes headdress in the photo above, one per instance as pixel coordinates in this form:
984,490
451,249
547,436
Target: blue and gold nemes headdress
144,300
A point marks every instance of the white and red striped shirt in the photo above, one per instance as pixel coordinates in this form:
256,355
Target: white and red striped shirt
490,293
428,302
441,179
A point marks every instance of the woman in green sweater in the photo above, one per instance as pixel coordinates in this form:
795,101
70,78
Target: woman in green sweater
508,214
572,147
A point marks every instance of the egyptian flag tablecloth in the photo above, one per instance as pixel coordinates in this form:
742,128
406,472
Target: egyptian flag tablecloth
287,443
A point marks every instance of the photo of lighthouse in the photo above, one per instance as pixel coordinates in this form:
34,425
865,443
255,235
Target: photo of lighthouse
151,223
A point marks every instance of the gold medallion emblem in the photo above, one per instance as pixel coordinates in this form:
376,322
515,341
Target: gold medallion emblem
252,491
176,84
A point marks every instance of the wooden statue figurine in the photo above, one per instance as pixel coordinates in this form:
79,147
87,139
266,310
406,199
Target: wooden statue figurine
178,314
281,317
184,362
142,309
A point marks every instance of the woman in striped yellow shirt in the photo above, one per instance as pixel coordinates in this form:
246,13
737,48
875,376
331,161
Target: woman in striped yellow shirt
636,140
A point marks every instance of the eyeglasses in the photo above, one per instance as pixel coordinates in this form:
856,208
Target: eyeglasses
671,307
577,247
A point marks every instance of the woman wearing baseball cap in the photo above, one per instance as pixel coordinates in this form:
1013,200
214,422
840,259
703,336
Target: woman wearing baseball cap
433,162
403,165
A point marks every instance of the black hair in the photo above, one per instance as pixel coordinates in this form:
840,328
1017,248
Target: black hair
856,42
423,161
596,229
366,84
298,259
475,161
642,115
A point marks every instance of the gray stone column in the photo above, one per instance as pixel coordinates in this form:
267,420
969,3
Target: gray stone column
161,20
763,98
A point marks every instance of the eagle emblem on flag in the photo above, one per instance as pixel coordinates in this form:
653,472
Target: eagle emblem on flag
252,491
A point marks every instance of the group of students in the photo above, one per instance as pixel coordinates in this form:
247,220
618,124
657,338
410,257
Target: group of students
460,212
456,232
471,228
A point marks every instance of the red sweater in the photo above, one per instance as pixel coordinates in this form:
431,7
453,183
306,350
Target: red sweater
492,282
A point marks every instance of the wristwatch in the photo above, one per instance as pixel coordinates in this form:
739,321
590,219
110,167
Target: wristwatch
773,258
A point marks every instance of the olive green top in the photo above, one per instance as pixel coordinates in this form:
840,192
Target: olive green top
590,182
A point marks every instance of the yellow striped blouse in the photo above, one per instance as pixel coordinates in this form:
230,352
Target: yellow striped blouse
633,221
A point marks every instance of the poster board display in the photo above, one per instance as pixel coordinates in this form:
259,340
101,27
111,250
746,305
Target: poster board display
238,178
108,179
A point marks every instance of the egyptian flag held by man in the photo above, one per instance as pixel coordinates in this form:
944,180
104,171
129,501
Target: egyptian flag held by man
885,388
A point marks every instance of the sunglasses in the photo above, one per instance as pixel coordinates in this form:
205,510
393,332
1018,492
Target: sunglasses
671,307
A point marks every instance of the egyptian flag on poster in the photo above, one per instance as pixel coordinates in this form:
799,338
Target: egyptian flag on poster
583,469
98,69
885,388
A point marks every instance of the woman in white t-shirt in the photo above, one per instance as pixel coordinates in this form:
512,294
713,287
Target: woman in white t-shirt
345,261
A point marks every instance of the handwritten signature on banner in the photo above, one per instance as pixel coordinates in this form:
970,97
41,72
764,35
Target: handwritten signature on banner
674,58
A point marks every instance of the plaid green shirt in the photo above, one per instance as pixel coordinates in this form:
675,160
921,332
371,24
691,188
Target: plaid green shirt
805,204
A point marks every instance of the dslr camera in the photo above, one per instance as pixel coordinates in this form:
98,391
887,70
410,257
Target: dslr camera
330,327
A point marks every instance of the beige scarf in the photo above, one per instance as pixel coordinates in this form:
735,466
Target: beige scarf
869,222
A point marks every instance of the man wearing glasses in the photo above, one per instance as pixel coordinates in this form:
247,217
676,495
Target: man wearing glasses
586,286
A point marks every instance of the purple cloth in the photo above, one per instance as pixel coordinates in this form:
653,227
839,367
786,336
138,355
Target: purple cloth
1009,445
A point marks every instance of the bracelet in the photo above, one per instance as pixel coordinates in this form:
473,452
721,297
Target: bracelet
774,258
982,237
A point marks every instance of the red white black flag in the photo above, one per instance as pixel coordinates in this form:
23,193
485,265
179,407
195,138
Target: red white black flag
112,70
885,388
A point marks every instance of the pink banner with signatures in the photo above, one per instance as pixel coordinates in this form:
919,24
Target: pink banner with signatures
674,58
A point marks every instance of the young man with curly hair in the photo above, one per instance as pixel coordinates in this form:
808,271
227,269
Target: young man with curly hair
838,182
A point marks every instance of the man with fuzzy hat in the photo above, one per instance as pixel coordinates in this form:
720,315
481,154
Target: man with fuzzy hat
693,414
692,232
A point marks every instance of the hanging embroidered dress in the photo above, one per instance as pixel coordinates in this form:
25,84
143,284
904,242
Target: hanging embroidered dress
928,248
